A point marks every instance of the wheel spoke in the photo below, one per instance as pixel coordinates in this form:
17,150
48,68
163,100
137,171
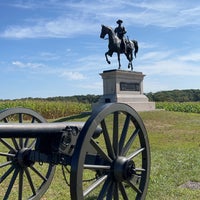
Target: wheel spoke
38,173
26,142
20,117
7,173
5,143
15,144
124,133
116,133
107,140
32,144
123,191
12,181
5,120
33,120
20,192
130,142
7,154
94,185
100,151
5,164
132,184
21,143
30,181
134,154
104,189
116,191
110,191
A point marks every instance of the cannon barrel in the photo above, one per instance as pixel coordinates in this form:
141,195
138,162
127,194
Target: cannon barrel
10,130
57,137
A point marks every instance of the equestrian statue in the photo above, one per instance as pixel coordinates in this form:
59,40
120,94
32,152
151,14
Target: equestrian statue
119,44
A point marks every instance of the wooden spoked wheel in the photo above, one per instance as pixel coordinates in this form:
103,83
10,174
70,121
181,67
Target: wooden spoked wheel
121,167
20,179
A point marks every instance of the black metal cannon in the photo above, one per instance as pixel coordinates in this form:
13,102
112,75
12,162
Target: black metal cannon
108,155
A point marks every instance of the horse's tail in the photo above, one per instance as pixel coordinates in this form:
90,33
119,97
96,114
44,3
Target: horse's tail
136,47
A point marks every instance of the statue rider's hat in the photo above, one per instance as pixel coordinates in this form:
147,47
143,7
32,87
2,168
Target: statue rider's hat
119,21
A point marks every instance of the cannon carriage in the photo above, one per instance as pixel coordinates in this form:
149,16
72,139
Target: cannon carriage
108,155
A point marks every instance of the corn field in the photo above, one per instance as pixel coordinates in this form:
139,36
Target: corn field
189,107
48,109
57,109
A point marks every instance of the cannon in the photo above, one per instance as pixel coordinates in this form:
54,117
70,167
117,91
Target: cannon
108,155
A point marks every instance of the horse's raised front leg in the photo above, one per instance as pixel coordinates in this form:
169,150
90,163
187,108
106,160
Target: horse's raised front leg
118,56
106,55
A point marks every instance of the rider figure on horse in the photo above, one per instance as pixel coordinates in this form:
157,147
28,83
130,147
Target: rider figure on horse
120,32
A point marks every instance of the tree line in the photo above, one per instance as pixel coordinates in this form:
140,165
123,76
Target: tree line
88,99
192,95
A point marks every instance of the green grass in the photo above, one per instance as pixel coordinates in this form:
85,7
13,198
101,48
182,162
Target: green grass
175,153
175,157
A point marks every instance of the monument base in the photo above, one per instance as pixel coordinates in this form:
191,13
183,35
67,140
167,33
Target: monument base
121,86
138,102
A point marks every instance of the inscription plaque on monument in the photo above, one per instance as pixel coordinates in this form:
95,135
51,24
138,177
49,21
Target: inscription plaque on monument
129,86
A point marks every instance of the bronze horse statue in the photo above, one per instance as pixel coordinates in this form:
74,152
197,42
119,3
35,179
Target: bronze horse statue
114,45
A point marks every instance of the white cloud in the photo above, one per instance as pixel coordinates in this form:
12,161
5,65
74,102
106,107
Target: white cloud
161,13
28,65
194,57
48,56
43,69
62,27
156,55
144,45
94,86
170,63
70,75
171,67
82,18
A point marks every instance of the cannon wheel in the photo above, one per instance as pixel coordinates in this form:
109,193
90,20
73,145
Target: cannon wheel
19,179
122,166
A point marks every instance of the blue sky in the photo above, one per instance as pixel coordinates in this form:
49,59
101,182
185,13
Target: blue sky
52,47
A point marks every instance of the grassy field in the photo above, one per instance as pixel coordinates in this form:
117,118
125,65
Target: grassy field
175,153
175,157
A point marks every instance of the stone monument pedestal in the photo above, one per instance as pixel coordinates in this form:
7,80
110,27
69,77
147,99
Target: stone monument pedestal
125,87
